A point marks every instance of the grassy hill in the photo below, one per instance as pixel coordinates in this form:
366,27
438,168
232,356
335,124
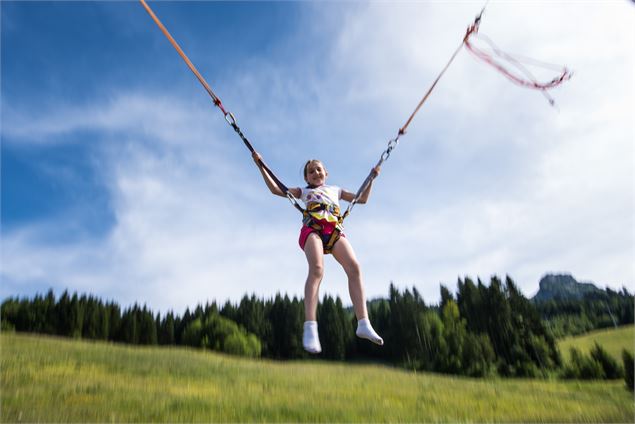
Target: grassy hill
50,379
613,340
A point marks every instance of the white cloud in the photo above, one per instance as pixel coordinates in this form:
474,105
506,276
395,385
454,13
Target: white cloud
509,185
188,224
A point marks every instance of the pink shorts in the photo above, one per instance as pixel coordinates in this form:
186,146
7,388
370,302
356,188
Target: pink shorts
324,234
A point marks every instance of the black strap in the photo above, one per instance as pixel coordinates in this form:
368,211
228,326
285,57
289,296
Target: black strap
261,164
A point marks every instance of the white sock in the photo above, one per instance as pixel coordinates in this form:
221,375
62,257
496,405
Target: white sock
365,331
310,338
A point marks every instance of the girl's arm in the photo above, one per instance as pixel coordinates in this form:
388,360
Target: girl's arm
273,187
363,198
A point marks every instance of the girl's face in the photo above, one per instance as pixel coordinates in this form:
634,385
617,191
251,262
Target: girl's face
314,173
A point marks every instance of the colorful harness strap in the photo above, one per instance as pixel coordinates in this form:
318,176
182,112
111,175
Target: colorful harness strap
328,240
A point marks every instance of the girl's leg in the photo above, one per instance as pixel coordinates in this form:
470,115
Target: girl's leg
344,254
315,258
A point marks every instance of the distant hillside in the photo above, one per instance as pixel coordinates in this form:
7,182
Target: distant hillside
563,286
613,340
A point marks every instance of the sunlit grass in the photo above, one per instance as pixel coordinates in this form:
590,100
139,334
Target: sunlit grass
49,379
613,340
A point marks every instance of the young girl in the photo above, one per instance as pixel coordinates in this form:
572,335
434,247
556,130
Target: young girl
322,202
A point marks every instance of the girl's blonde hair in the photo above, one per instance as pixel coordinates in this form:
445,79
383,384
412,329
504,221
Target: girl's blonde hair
309,162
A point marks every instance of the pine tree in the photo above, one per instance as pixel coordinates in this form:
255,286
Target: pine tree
91,325
446,296
114,318
331,330
147,327
286,319
129,332
611,368
166,335
348,330
629,369
454,333
63,312
77,316
50,320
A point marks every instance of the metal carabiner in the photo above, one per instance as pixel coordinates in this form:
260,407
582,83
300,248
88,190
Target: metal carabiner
391,145
230,118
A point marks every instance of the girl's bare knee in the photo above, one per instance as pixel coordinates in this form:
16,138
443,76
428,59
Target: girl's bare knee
353,271
316,272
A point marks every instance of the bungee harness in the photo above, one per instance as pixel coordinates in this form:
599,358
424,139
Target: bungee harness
488,58
328,240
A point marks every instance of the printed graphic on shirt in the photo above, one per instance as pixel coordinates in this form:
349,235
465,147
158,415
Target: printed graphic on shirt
322,203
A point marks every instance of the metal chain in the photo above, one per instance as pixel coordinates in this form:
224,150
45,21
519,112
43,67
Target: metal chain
392,143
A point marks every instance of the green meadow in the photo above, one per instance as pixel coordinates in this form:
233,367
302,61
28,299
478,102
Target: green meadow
613,340
61,380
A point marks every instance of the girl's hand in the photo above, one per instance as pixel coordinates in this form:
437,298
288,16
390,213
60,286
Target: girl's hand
257,158
376,170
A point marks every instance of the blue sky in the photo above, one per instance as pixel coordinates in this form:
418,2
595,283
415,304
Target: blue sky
120,178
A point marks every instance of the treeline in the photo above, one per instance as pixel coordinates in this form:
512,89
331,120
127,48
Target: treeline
599,365
88,317
479,331
602,309
483,330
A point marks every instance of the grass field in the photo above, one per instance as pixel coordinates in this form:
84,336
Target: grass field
60,380
612,340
